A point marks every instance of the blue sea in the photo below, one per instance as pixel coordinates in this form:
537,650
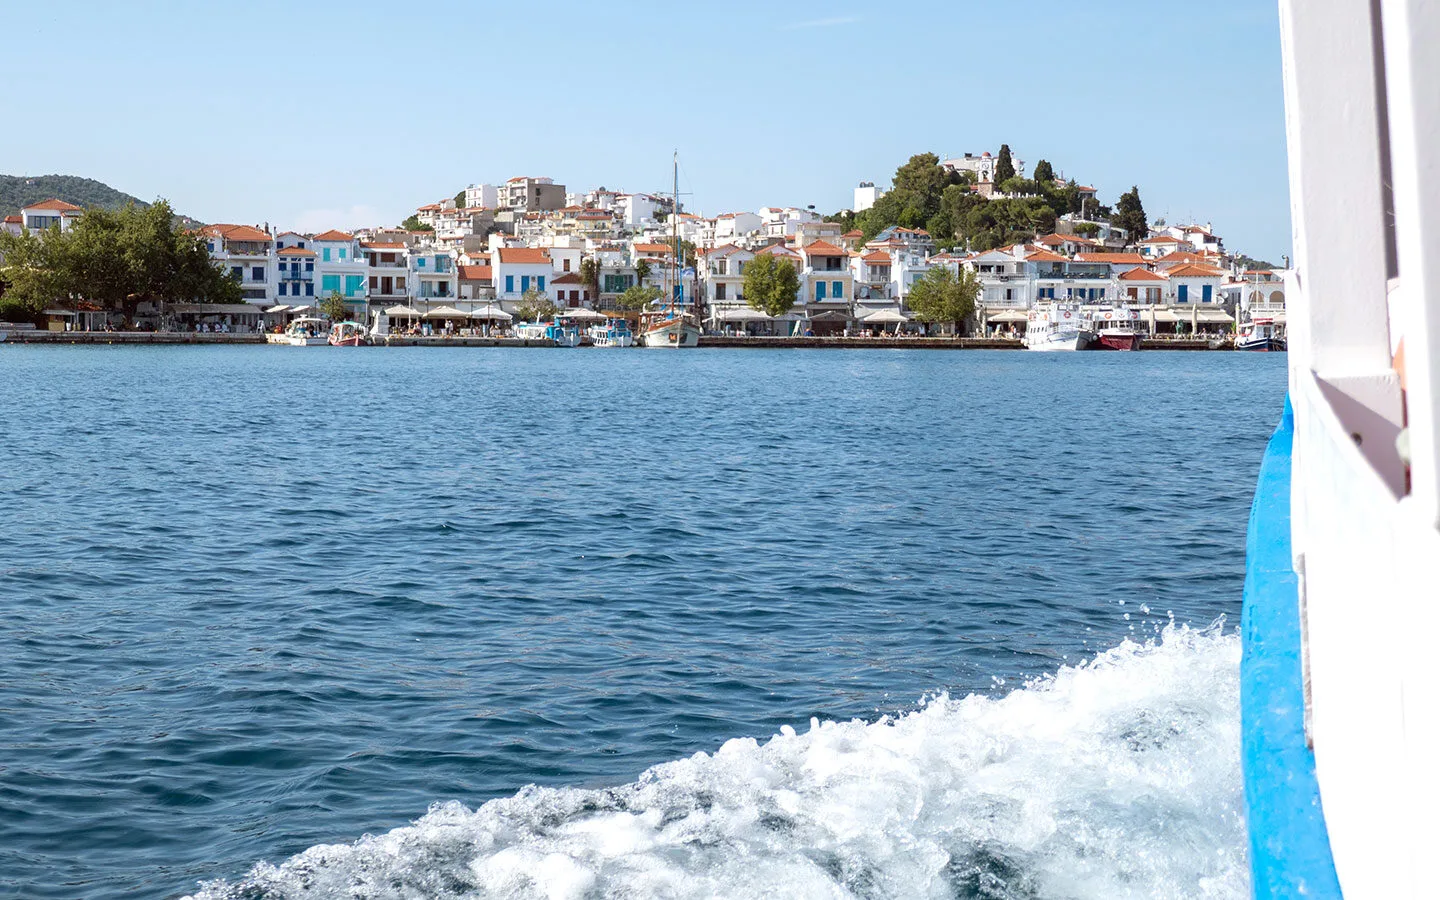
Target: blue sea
403,623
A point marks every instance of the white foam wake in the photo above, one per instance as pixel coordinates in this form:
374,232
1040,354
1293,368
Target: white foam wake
1119,777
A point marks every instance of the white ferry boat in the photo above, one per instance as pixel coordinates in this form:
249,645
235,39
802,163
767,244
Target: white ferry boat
305,331
1057,326
1115,328
564,332
1340,693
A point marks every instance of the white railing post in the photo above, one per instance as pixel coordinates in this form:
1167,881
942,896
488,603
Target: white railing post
1412,36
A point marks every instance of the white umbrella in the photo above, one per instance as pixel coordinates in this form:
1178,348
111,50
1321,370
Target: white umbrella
402,312
744,314
886,317
493,313
445,312
583,312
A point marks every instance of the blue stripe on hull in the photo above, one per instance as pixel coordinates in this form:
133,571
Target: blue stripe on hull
1289,846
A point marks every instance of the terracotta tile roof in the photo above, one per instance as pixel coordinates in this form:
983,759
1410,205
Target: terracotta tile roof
13,220
1121,258
853,233
780,250
381,245
295,251
427,206
1190,270
1181,256
1142,275
822,248
333,235
524,255
1044,256
568,278
54,203
877,256
237,232
1161,239
652,248
476,273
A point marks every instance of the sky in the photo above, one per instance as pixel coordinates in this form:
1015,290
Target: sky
317,115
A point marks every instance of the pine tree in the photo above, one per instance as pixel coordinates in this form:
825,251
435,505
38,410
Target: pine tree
1004,166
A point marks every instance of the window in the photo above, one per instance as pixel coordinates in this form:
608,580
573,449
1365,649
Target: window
325,254
399,285
1206,294
237,273
257,273
567,264
354,284
309,288
540,283
329,283
524,283
310,267
1183,293
509,284
374,283
282,288
720,291
420,262
210,246
342,253
837,289
819,290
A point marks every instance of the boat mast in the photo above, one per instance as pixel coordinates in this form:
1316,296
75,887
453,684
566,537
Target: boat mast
675,231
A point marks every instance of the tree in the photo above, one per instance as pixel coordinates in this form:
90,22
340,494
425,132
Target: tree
639,296
686,252
1044,172
333,307
944,296
413,223
771,284
32,274
1004,166
1130,215
590,274
535,306
642,270
460,200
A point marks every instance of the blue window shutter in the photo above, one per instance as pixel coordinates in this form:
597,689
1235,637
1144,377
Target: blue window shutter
325,254
819,290
524,283
837,289
342,252
509,284
282,288
309,288
1205,294
421,262
1183,292
540,282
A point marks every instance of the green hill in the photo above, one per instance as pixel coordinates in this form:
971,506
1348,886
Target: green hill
18,191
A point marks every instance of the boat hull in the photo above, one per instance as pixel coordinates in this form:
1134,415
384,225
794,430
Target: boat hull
672,336
1059,341
349,342
290,340
1117,341
1261,345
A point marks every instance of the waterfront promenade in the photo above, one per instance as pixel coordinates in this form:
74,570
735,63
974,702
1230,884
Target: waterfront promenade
708,342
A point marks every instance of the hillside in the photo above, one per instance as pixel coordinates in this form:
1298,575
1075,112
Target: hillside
17,191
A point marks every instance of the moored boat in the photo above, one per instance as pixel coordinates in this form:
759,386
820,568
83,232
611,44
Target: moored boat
1260,334
305,331
1115,328
348,334
614,333
1057,326
564,332
669,329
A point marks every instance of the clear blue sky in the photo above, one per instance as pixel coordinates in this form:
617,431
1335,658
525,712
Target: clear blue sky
311,115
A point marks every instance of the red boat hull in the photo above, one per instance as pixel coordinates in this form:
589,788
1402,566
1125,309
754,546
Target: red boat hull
1118,342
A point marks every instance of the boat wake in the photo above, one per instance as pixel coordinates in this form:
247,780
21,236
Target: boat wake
1116,777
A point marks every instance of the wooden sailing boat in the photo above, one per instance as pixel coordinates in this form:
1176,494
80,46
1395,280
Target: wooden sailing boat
669,326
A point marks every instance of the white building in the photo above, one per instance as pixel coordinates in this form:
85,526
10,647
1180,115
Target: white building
246,253
294,269
387,267
486,196
433,279
865,196
520,269
46,213
340,267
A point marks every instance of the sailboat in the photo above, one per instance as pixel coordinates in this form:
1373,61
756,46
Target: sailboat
668,326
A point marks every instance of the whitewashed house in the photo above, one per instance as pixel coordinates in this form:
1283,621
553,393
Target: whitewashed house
247,254
387,268
340,268
48,213
520,269
433,277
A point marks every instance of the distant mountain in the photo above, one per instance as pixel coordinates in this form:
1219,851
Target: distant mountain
19,191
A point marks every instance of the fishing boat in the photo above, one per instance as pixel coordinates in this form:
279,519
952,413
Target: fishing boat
1115,328
565,332
305,331
613,333
1340,694
668,326
348,334
1057,326
1260,334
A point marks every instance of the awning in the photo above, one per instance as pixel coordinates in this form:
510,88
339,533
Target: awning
829,315
1165,315
741,314
302,309
59,312
1009,315
491,313
402,312
886,317
582,312
445,312
1212,316
216,309
276,309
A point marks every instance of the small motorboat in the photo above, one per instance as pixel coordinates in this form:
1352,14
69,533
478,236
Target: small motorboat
348,334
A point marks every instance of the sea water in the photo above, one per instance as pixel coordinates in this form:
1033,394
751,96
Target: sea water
289,622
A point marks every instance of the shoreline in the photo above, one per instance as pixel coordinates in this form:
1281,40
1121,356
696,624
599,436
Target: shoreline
155,338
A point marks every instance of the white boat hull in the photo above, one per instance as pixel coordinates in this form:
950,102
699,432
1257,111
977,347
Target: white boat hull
291,340
623,340
672,336
1056,340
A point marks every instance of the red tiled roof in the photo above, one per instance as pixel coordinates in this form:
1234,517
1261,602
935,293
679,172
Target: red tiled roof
524,255
1161,239
853,233
1142,274
295,251
237,232
652,248
1182,256
379,245
54,203
1191,270
822,248
567,278
13,220
1121,258
333,235
1044,256
476,273
878,256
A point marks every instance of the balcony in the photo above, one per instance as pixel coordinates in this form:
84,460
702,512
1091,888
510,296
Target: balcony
377,264
427,294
